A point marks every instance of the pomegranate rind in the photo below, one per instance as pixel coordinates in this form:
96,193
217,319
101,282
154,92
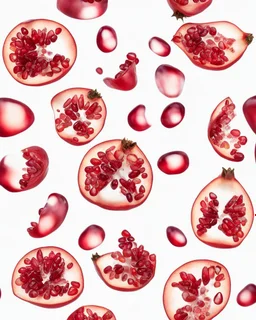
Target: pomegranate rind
228,30
189,10
68,134
73,274
110,203
69,50
102,261
217,186
95,309
127,81
172,298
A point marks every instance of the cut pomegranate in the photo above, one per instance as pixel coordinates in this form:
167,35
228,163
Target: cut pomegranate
83,9
199,289
188,8
91,237
79,115
130,269
159,47
51,216
99,70
224,140
247,296
126,79
115,175
48,277
15,117
29,48
174,162
137,119
212,45
222,214
106,39
249,109
172,115
92,313
169,80
24,171
176,237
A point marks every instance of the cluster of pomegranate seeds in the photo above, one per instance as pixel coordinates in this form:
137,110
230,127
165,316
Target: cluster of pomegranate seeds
221,135
186,2
80,315
195,293
133,264
29,53
81,111
231,226
43,276
106,168
206,44
131,57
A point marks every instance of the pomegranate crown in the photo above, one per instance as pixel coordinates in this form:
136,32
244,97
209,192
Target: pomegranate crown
228,173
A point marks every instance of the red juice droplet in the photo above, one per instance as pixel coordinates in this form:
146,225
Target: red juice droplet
172,115
137,119
159,46
247,296
91,237
176,237
106,39
99,70
174,162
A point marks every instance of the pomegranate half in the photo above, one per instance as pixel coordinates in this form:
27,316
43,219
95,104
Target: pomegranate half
199,290
92,313
115,175
48,277
222,214
188,8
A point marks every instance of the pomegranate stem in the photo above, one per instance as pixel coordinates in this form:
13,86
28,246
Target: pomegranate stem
95,256
93,94
178,15
249,38
228,173
128,144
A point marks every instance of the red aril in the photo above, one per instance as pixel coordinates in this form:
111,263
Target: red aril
126,79
188,8
174,162
222,214
91,237
92,313
176,237
106,39
159,47
80,115
15,117
225,141
129,269
38,52
169,80
137,119
115,175
172,115
24,170
249,109
199,289
247,296
48,277
99,70
212,45
83,9
50,217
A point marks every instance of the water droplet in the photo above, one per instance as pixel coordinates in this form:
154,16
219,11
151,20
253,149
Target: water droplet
91,237
174,162
137,119
176,237
172,115
106,39
159,46
99,70
247,296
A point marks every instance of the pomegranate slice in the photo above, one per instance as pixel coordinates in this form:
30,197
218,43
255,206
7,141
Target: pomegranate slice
199,289
137,119
115,175
91,237
28,52
175,162
92,313
83,9
249,109
247,296
212,45
188,8
24,171
15,117
222,214
48,277
80,115
224,140
51,216
176,237
126,79
159,47
106,39
129,270
172,115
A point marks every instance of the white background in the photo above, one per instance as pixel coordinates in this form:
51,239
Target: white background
172,196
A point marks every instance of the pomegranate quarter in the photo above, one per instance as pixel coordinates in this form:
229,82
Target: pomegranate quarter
48,277
92,313
199,290
222,214
38,52
115,175
129,269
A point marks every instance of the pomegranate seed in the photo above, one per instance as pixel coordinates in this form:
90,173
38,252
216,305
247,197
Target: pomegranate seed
159,46
106,39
